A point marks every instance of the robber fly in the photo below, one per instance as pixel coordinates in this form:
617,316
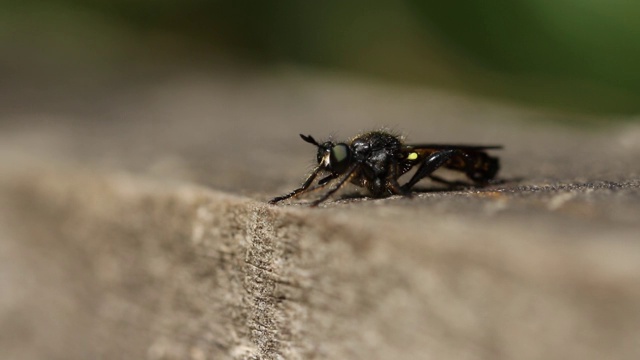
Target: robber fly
376,160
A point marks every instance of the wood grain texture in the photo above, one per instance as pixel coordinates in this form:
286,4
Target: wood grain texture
143,239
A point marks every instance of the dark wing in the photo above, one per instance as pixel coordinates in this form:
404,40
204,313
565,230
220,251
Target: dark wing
450,146
473,160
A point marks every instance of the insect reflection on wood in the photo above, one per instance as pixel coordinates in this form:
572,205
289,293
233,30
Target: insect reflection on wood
375,160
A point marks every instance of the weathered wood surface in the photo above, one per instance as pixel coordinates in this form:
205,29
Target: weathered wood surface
142,232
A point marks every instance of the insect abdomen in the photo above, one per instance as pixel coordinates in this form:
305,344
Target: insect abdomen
478,166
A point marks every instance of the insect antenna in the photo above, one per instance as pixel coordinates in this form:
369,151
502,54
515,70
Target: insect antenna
309,139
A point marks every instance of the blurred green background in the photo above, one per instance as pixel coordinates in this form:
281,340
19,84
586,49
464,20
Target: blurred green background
573,55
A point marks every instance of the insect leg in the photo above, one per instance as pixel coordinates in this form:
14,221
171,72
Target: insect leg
429,165
350,173
396,189
325,180
392,182
299,190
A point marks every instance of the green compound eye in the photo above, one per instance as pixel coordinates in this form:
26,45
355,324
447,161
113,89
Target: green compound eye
339,158
339,153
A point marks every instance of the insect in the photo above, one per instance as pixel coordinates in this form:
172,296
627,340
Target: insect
375,160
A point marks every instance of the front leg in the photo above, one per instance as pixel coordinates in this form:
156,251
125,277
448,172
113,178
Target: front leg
325,180
348,176
299,190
